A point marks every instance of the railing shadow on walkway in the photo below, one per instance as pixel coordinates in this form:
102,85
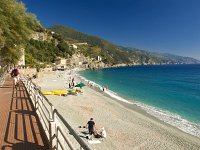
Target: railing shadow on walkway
23,131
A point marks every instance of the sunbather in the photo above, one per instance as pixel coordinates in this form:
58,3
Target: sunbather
102,132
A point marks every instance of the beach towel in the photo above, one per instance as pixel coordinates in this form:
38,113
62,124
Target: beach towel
94,141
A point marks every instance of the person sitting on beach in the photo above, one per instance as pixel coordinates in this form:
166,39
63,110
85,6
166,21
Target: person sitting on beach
91,127
102,132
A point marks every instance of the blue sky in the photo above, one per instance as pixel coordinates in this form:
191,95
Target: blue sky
167,26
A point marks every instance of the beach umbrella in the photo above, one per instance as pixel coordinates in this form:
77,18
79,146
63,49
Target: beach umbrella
80,85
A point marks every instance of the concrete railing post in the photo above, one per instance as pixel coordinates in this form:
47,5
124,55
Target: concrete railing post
52,135
51,113
52,129
35,96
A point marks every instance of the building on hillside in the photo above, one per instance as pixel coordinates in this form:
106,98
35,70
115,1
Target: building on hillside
68,62
74,46
85,43
61,64
60,61
78,59
99,58
40,36
61,67
21,62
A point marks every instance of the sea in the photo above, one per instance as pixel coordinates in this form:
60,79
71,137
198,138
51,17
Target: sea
171,93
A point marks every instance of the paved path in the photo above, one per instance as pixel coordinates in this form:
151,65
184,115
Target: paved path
20,128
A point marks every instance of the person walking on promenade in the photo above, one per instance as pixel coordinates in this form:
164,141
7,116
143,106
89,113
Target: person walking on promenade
15,75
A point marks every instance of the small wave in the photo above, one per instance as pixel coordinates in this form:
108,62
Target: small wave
172,119
109,92
114,95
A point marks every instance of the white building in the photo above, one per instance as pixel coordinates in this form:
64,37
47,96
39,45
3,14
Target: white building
61,64
22,59
85,43
40,36
99,58
74,46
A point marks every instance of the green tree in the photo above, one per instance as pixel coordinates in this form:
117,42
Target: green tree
15,28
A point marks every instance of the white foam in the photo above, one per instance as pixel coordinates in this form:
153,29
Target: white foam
172,119
109,92
114,95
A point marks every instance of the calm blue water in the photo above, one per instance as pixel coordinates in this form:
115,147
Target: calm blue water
169,92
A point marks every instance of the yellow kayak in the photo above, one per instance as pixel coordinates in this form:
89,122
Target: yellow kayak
48,93
56,92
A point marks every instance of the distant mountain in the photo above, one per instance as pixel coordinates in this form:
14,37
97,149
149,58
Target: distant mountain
113,54
180,59
164,58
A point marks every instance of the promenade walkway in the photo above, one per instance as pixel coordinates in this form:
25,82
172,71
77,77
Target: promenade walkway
20,128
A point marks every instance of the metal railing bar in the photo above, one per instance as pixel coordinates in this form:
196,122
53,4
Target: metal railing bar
44,108
39,91
43,112
65,138
44,120
44,104
76,136
58,142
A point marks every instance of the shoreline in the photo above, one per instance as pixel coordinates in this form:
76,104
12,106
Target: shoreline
133,109
167,117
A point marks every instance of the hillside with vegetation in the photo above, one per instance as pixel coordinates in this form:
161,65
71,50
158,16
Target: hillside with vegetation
21,30
46,51
114,54
110,53
15,29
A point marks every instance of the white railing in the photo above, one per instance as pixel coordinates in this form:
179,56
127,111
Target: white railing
59,133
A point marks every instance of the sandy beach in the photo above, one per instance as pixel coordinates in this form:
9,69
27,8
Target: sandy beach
128,127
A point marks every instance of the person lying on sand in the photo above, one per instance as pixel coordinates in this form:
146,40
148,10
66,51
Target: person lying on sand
102,132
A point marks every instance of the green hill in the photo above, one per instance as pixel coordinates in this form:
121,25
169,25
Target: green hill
114,54
15,29
110,53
